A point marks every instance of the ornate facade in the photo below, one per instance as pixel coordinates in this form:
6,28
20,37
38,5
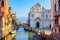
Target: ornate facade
39,17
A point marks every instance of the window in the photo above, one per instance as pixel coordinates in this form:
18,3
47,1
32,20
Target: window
2,21
55,30
55,7
49,15
37,9
0,13
52,29
50,26
37,24
42,15
59,31
46,16
59,4
32,15
2,3
56,21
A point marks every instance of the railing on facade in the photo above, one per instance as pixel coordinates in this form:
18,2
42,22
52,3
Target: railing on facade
57,13
56,25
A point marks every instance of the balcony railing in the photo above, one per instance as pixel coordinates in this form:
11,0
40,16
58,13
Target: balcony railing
56,25
57,13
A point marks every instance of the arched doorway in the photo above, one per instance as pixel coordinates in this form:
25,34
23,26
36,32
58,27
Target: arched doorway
37,24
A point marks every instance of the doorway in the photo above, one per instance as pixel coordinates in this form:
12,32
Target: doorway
37,24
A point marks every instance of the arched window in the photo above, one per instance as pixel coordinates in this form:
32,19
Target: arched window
37,24
2,3
59,4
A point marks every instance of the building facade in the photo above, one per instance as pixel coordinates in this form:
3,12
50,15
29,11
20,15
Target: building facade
39,17
5,19
14,25
9,17
55,19
0,21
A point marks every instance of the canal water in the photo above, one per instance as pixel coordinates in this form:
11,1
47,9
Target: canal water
21,34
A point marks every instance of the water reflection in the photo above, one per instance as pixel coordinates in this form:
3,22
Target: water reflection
22,34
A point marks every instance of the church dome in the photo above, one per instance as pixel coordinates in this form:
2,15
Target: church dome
38,5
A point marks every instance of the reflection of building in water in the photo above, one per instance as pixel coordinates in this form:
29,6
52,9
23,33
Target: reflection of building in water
39,17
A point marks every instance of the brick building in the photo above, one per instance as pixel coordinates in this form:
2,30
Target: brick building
55,19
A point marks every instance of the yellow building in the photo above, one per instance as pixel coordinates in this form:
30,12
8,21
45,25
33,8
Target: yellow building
6,19
13,17
9,19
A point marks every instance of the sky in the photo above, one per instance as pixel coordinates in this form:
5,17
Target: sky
22,7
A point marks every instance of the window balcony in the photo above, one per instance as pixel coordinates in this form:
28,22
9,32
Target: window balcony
57,25
57,14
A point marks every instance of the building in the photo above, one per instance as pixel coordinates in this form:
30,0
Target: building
39,17
5,19
55,19
9,18
14,26
0,21
14,15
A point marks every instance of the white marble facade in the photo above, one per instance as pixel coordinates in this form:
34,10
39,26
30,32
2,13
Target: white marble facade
39,17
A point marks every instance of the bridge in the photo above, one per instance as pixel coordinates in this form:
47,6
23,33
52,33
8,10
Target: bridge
17,22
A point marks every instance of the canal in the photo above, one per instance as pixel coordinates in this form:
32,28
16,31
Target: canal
21,34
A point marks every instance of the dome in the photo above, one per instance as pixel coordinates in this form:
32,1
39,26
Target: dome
38,5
